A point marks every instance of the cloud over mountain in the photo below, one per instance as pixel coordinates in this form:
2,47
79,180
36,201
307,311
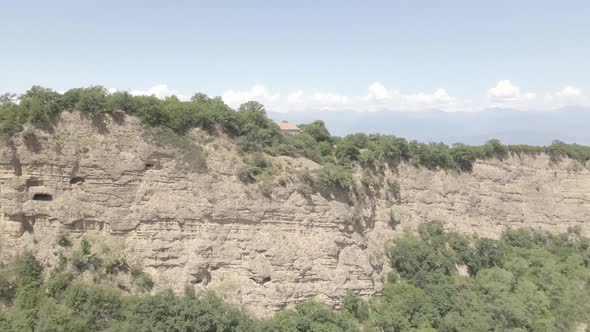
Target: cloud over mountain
378,97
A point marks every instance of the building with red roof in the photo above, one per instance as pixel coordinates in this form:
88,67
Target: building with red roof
288,127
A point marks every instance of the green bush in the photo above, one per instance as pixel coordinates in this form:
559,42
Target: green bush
97,305
54,316
256,164
346,152
92,99
57,284
116,264
464,156
394,189
317,130
85,247
7,287
332,176
142,280
254,132
558,149
355,306
28,270
368,180
433,155
84,258
311,316
493,148
165,312
524,281
393,219
248,174
62,239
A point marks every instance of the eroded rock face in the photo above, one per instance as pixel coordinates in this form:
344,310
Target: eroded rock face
119,184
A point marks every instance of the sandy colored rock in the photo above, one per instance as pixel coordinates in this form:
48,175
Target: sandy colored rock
120,184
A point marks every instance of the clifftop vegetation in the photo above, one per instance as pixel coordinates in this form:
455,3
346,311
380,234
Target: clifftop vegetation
255,132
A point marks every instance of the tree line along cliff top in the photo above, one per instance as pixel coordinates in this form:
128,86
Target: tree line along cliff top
254,132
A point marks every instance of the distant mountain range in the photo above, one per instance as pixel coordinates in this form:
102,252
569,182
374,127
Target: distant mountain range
571,125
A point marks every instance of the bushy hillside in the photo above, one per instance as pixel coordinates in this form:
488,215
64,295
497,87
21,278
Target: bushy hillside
255,132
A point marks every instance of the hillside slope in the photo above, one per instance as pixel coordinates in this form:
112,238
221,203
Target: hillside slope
176,206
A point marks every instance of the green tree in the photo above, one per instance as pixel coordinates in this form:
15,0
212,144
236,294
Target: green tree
92,100
356,306
463,156
317,130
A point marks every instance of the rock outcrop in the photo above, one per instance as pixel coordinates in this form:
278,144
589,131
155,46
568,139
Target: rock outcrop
146,191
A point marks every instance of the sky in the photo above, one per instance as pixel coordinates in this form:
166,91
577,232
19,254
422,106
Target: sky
308,55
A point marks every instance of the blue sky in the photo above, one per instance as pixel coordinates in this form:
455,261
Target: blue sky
360,55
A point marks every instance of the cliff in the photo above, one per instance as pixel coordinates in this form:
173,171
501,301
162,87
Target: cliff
176,206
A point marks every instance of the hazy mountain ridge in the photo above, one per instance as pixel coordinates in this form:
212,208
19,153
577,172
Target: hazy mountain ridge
509,125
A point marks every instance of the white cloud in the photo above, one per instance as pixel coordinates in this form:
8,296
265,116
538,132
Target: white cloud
160,91
295,97
569,92
568,96
330,99
508,95
440,97
257,93
378,91
380,98
504,90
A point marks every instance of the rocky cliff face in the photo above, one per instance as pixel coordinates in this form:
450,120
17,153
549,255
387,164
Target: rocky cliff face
146,192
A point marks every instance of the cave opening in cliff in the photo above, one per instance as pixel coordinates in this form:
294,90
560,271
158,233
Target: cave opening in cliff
34,182
77,180
261,281
42,197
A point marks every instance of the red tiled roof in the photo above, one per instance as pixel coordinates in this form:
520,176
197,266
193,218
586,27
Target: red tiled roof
284,125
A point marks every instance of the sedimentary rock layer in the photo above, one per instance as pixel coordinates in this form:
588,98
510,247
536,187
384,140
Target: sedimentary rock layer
141,190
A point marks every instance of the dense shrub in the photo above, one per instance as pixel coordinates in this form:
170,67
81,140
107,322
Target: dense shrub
328,178
255,165
57,283
255,132
62,239
7,286
524,281
357,307
84,258
141,280
92,99
97,305
313,317
116,264
394,189
463,156
28,270
578,152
